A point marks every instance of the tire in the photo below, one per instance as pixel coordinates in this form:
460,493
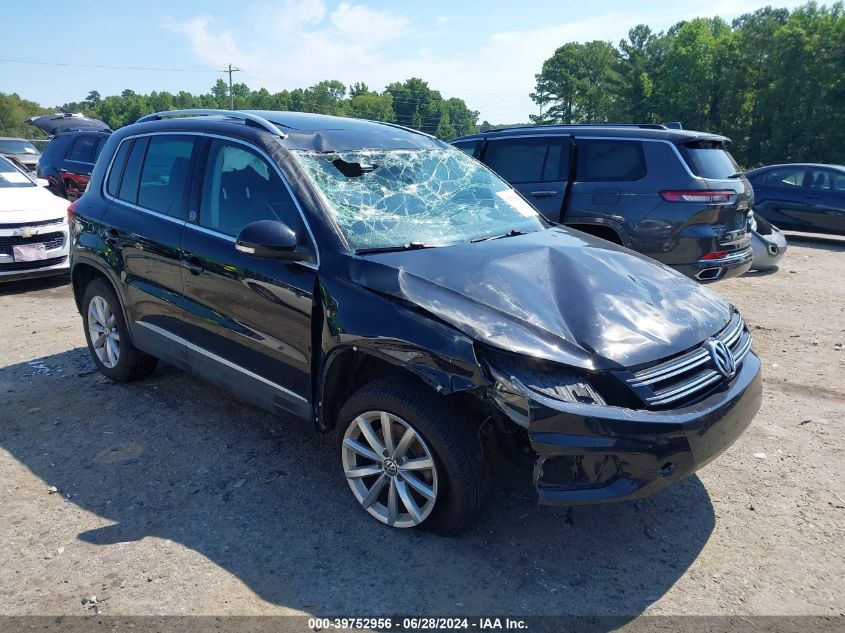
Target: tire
131,363
460,475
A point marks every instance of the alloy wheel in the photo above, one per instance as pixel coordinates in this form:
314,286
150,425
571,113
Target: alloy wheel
390,469
102,328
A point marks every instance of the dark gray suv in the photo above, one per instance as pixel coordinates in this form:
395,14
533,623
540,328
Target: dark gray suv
674,195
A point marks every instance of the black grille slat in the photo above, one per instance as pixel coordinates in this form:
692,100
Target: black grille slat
50,240
41,263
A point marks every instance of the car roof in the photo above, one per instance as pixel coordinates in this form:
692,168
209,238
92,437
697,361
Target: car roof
615,130
804,165
298,130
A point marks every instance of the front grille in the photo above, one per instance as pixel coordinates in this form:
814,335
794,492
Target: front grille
50,240
41,263
688,376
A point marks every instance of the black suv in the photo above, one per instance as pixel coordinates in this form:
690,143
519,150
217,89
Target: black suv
384,286
674,195
76,142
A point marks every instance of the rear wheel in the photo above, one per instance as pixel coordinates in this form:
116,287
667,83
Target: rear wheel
412,460
108,338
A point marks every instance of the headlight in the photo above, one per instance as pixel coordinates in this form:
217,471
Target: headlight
521,383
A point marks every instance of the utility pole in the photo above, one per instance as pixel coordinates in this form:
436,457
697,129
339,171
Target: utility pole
231,94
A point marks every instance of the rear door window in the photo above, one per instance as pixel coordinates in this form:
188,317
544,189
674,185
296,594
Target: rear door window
609,161
165,174
709,159
788,177
84,149
527,160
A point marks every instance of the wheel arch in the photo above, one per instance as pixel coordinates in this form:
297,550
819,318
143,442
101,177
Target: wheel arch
83,272
348,367
606,230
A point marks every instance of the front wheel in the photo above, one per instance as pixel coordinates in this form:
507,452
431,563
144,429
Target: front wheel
412,460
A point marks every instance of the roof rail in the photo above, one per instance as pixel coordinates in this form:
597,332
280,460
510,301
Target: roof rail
249,119
643,126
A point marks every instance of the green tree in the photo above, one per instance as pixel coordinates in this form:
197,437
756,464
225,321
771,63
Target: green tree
578,84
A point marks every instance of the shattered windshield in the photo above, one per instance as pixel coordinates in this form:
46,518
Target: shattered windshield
437,197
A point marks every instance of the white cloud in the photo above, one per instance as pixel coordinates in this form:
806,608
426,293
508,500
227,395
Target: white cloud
303,42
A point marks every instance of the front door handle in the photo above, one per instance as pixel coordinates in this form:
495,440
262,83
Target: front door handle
543,194
813,196
194,265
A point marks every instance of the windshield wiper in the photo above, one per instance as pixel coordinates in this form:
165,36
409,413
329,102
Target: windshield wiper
410,246
511,233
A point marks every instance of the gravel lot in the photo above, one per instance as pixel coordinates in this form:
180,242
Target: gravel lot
170,497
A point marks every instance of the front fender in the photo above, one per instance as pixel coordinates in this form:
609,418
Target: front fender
397,333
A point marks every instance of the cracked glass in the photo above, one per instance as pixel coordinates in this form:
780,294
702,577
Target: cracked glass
436,197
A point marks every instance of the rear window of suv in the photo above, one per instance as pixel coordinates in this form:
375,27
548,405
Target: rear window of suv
609,161
709,159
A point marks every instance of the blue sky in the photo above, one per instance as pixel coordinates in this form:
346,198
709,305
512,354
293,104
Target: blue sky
484,52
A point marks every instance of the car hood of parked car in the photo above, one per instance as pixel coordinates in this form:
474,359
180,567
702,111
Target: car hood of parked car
556,294
30,204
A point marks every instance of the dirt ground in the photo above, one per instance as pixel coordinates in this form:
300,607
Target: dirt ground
168,496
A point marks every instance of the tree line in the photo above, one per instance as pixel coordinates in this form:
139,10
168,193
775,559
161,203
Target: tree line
411,103
772,80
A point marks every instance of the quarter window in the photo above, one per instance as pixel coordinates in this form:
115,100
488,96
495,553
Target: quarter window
119,161
240,187
602,161
128,189
165,174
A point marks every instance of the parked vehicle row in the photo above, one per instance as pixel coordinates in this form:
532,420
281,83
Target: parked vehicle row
385,287
674,195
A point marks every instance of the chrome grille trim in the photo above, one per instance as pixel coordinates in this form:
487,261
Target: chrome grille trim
692,369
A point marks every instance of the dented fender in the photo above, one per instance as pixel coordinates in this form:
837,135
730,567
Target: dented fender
360,320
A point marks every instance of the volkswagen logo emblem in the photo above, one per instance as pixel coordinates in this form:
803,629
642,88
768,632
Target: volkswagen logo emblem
721,356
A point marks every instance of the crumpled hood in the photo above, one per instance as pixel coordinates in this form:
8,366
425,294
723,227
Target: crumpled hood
557,294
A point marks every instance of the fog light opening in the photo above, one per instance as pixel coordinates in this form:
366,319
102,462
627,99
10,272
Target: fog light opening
667,469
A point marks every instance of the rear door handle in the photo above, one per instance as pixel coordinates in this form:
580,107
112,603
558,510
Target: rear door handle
543,194
194,265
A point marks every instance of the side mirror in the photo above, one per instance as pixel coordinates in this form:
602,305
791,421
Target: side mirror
42,182
269,239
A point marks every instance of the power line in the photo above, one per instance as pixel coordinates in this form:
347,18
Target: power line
14,60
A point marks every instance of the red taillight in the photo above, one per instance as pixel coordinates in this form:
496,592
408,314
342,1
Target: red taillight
716,255
706,197
71,211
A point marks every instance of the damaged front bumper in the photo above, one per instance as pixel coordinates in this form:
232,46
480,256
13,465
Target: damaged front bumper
592,453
